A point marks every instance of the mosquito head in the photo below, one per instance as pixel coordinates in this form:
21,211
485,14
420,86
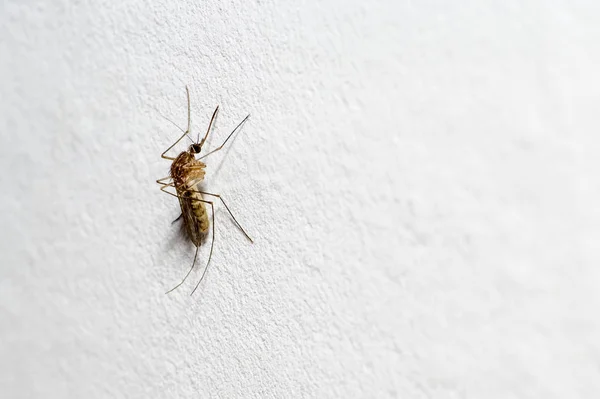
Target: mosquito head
195,148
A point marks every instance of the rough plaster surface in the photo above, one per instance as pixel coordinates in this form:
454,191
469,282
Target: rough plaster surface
421,179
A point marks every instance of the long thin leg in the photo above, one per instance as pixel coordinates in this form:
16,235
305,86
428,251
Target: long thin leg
230,213
187,91
188,168
160,181
230,134
212,243
169,184
214,195
162,188
214,116
188,273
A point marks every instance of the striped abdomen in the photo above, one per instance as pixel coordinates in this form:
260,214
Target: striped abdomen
187,173
194,212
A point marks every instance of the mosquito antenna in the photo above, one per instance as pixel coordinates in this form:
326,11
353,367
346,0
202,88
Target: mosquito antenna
230,134
175,124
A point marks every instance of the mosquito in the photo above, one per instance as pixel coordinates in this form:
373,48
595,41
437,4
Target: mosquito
186,173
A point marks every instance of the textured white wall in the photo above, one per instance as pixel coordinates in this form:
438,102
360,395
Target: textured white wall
421,179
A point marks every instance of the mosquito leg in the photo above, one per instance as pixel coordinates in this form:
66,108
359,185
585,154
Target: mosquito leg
214,195
230,134
188,168
212,243
230,213
165,185
187,91
169,185
188,273
214,116
160,181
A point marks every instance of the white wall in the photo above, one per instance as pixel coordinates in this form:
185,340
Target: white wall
421,179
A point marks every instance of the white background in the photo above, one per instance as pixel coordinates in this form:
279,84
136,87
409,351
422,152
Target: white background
421,180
